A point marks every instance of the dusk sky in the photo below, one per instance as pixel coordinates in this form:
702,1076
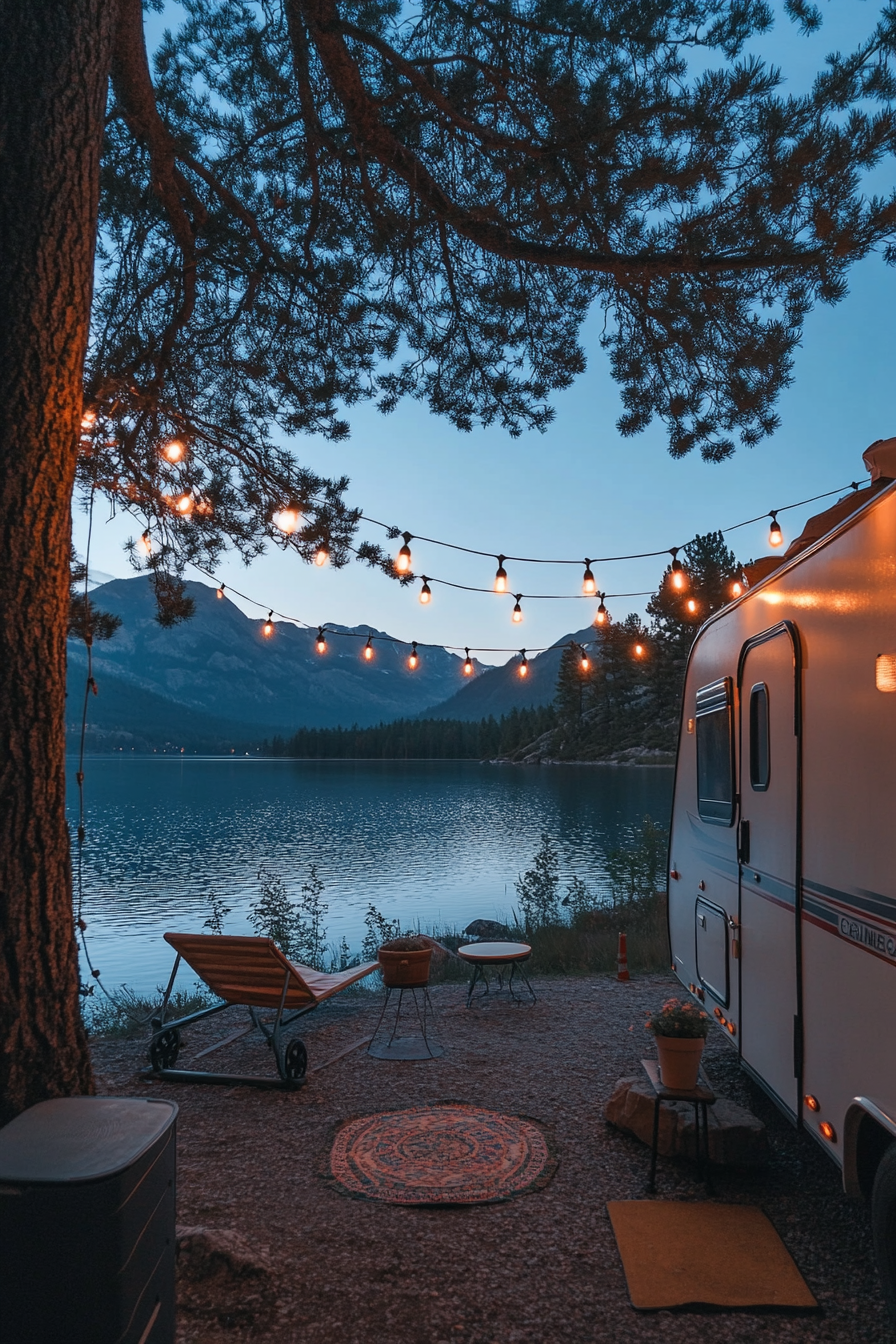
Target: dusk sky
579,489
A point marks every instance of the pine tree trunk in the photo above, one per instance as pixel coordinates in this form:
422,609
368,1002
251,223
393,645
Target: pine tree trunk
54,66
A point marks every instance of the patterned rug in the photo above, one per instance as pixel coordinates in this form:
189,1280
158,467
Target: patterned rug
446,1154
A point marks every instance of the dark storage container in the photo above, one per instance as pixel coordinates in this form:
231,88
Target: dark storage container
87,1222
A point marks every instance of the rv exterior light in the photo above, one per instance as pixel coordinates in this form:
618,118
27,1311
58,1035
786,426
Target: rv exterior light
321,640
413,660
588,583
517,610
403,559
677,574
602,615
885,672
501,576
775,535
827,1131
524,664
812,1103
425,591
468,664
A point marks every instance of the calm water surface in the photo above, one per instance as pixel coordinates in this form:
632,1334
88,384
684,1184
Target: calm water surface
436,842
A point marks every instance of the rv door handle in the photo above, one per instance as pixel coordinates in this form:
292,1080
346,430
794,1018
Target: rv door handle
743,848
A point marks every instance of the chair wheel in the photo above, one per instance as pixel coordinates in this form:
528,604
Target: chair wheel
164,1049
295,1061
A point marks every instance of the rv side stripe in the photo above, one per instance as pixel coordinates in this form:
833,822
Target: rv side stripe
863,902
771,887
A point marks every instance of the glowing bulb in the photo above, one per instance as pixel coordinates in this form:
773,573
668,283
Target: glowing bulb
468,665
501,576
827,1131
221,591
691,605
812,1102
268,628
601,615
639,650
321,640
678,574
184,505
403,559
368,650
736,588
322,556
523,668
775,535
588,584
173,451
145,544
517,610
413,660
289,519
584,661
425,592
88,420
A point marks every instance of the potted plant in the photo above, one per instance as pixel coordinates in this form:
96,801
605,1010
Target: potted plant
404,962
681,1030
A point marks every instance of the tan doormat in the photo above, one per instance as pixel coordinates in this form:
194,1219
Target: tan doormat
721,1255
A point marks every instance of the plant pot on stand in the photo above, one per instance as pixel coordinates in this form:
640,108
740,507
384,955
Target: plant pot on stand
679,1058
404,965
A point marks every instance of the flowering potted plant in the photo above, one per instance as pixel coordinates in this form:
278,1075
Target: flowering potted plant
404,962
681,1030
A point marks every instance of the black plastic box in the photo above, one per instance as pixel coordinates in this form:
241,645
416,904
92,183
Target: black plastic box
87,1191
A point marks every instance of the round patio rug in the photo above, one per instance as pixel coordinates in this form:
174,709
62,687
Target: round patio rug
447,1154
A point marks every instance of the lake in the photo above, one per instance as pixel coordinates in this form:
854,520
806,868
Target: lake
438,842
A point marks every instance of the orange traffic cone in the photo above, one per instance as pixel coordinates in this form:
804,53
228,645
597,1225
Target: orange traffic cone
622,959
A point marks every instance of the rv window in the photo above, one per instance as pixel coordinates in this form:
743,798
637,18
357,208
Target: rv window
759,744
715,756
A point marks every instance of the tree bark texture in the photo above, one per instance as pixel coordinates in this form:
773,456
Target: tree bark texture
54,66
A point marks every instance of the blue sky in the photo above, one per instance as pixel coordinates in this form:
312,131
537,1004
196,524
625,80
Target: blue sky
579,489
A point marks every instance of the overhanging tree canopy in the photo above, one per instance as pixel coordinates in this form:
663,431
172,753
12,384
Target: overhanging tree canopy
307,202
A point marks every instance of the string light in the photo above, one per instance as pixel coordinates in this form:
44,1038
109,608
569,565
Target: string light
368,650
775,535
468,665
523,668
691,606
221,591
677,575
601,616
289,519
736,588
584,661
589,586
501,576
425,591
321,640
639,650
403,559
268,628
184,505
173,451
517,610
321,557
145,544
413,660
88,420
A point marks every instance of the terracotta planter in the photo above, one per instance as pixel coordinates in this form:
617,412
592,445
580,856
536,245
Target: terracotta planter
405,970
679,1058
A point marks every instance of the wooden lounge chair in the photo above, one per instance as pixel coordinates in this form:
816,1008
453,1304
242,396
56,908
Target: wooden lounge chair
252,973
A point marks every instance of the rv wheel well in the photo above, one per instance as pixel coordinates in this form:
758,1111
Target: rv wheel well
872,1141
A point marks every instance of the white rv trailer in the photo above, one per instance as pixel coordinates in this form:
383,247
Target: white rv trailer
782,857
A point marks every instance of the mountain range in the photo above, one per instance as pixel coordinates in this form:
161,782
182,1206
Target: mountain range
216,683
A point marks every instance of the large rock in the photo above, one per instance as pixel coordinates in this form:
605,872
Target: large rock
736,1137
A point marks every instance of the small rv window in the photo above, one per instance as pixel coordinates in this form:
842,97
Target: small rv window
715,755
759,744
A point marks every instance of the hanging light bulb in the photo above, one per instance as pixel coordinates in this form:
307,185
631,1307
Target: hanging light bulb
173,451
425,591
678,576
601,615
736,588
184,505
88,420
639,650
268,628
322,556
501,576
413,660
523,668
321,640
517,610
368,650
221,591
691,606
468,665
584,661
289,519
145,544
775,535
589,585
403,559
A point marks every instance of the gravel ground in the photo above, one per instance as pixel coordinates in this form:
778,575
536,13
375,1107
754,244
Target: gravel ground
541,1269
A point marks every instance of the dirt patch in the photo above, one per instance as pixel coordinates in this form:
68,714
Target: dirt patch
542,1269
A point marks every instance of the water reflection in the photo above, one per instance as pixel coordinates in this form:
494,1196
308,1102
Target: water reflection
439,842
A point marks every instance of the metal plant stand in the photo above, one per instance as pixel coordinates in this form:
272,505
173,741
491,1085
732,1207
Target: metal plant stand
701,1096
423,1043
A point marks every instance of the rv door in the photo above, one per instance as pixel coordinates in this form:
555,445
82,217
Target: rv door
768,855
